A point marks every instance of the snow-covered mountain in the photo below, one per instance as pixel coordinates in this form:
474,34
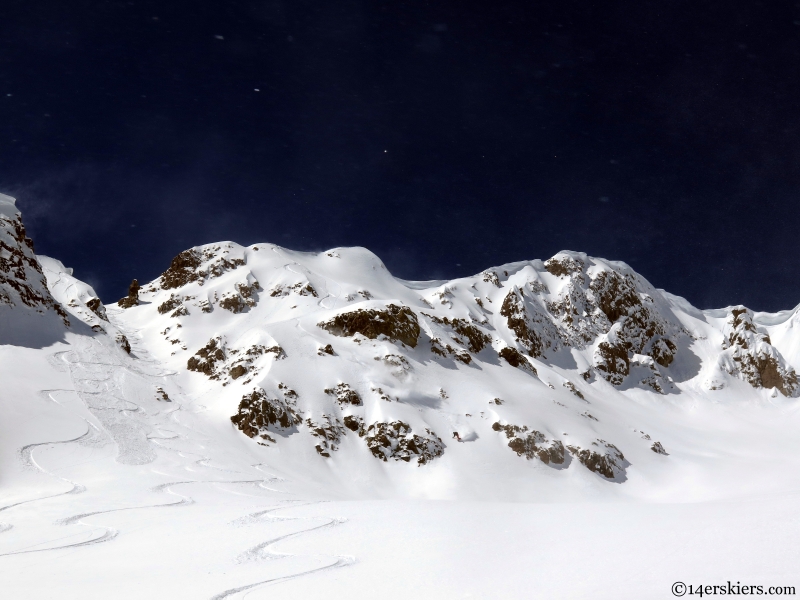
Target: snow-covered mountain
330,346
569,379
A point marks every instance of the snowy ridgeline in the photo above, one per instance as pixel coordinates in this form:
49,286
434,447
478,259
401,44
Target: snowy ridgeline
529,361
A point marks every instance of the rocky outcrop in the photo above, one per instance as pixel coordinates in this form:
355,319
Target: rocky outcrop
344,394
258,414
132,299
395,440
605,460
516,359
750,355
218,362
207,359
329,432
532,444
398,323
199,265
530,325
464,332
22,282
658,448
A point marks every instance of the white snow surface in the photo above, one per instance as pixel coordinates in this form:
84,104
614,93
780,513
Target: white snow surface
109,490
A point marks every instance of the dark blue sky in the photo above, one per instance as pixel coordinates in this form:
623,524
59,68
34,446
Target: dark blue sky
447,137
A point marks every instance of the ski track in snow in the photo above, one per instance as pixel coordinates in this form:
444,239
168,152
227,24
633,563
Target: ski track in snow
93,377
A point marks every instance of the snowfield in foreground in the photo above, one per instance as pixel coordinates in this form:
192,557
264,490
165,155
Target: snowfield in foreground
264,423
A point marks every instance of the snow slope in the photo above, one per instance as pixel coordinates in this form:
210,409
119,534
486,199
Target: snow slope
614,439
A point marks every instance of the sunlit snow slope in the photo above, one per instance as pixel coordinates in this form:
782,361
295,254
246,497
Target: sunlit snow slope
255,404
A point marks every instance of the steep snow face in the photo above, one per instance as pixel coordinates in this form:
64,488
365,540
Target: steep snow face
80,300
330,352
37,319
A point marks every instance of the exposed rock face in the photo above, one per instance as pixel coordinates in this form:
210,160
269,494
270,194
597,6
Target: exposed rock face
527,323
96,306
532,444
513,357
244,298
441,348
124,343
258,413
170,304
186,267
607,460
611,360
398,323
750,355
22,282
658,448
329,433
300,289
206,359
344,394
218,362
464,332
395,440
132,299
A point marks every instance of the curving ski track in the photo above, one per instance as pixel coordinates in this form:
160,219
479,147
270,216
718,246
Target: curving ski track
96,377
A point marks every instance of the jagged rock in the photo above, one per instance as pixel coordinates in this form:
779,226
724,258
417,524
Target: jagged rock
398,323
513,357
132,299
96,306
185,267
163,395
571,387
124,343
532,444
444,349
750,355
612,361
344,394
182,270
658,448
22,282
523,324
237,371
169,304
609,462
491,277
561,266
329,433
395,440
258,412
234,303
301,289
464,332
663,351
355,423
206,359
325,350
